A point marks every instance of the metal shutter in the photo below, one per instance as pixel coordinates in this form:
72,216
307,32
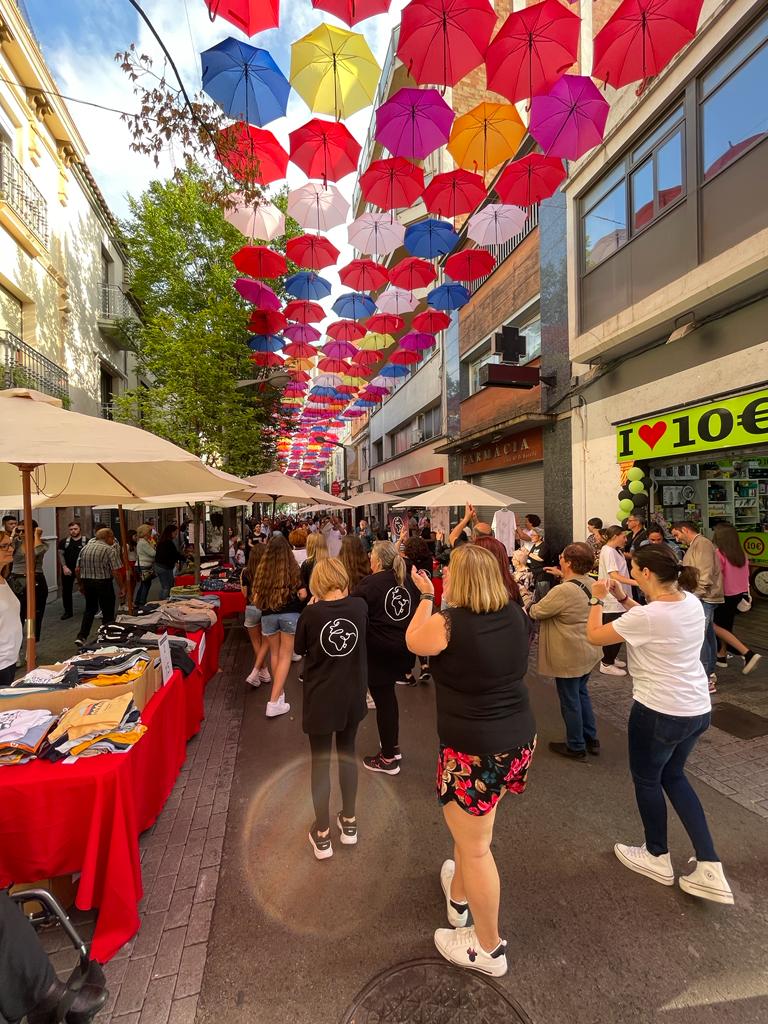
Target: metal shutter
526,483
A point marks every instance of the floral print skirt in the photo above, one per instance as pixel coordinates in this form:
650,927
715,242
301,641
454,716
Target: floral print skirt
476,781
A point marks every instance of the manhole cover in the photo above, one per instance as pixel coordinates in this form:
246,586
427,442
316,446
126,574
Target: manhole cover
433,992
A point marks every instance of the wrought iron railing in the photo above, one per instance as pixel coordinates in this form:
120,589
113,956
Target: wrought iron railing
505,250
22,195
114,303
24,367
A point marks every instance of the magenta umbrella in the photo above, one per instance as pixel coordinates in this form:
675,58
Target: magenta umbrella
259,294
414,123
570,119
301,332
417,341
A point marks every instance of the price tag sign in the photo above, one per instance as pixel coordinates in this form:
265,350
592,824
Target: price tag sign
201,650
164,646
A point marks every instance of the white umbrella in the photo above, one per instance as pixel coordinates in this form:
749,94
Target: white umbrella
280,488
318,208
495,224
459,492
397,301
262,223
322,508
376,234
372,498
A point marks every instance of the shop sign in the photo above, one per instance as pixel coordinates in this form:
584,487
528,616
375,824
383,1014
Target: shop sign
514,450
415,482
755,547
727,423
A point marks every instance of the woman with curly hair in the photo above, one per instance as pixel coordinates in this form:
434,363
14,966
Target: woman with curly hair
354,559
279,593
259,674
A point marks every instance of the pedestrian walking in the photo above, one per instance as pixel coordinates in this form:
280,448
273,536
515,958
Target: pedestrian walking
69,550
317,550
259,673
355,560
565,652
671,709
701,555
98,567
18,574
331,635
479,655
145,563
734,567
611,565
167,557
11,632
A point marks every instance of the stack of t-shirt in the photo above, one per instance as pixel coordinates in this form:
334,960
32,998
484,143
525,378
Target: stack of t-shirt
95,727
55,677
191,590
22,734
222,586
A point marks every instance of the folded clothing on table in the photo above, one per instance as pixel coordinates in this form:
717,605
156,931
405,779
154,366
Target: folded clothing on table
22,734
55,677
95,727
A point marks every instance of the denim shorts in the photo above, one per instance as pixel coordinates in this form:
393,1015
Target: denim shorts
284,622
252,616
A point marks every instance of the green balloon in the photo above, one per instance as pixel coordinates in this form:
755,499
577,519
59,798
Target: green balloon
635,474
636,486
621,515
626,505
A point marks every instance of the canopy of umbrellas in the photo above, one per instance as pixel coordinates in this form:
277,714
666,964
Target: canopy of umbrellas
334,71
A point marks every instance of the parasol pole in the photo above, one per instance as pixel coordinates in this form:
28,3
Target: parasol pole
126,560
196,516
29,558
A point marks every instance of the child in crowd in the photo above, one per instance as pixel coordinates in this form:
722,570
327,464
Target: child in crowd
522,575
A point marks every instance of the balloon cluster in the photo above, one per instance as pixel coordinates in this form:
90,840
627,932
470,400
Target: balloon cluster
633,497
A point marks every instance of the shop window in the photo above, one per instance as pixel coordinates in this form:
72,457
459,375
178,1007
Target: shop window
531,331
734,114
430,424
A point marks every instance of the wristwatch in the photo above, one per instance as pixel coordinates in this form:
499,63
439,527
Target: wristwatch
596,600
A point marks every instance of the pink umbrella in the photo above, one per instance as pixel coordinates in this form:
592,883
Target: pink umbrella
339,349
414,123
570,119
258,293
301,332
397,301
495,224
417,341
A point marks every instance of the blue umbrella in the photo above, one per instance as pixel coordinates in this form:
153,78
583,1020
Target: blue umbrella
448,296
307,285
266,343
354,306
394,370
429,238
365,403
245,82
324,392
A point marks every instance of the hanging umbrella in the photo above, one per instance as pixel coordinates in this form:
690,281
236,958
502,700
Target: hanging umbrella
532,49
257,292
354,306
458,493
364,359
397,301
305,312
251,154
324,149
441,41
376,390
486,136
266,321
300,349
448,296
318,208
530,179
263,221
330,365
364,275
373,342
495,224
417,341
414,123
265,343
394,370
431,321
430,238
301,333
345,330
352,11
412,273
375,234
307,285
470,264
641,37
298,368
295,387
570,119
245,82
258,261
385,323
454,192
405,357
334,71
312,251
392,183
338,349
250,16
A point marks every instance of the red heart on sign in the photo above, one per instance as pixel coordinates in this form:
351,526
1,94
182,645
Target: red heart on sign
652,434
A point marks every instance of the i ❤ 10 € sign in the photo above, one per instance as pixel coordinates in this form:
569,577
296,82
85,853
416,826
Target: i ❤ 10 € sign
727,423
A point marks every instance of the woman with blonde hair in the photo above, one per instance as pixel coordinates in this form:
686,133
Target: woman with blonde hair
317,550
145,563
259,673
479,656
391,601
331,635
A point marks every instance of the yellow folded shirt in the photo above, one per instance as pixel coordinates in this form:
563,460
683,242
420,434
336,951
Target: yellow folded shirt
91,716
125,677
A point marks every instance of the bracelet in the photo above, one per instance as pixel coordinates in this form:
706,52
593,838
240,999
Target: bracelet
426,597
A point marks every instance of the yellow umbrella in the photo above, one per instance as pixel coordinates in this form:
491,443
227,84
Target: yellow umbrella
487,136
299,364
374,342
334,71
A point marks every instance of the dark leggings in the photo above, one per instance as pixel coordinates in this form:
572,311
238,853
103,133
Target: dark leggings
387,717
610,652
321,773
725,616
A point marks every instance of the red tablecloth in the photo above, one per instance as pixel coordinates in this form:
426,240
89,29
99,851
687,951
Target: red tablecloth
232,602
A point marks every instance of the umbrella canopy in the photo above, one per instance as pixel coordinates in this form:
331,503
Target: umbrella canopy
305,312
375,342
354,306
345,330
441,41
307,285
431,321
397,301
570,119
266,321
448,296
334,71
264,221
430,238
470,264
331,365
412,273
251,154
266,343
414,123
299,349
532,49
283,489
267,359
324,149
352,11
405,357
530,179
245,82
641,37
454,192
258,261
375,234
460,492
372,498
392,183
385,323
364,275
258,293
317,208
301,333
394,370
312,251
338,349
364,359
417,341
250,16
495,224
486,136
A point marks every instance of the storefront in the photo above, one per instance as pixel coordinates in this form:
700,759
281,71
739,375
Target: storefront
511,464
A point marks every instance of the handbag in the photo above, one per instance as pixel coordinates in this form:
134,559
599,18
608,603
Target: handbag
146,574
745,604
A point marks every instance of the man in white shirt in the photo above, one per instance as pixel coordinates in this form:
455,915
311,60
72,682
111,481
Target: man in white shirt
333,531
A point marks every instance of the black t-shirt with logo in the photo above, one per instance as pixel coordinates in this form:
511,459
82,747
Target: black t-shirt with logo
70,548
391,607
332,637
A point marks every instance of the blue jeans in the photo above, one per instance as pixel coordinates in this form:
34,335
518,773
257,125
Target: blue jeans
142,591
709,647
283,622
659,746
166,577
576,709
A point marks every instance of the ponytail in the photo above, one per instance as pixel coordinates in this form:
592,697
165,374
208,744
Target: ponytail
388,557
687,578
662,562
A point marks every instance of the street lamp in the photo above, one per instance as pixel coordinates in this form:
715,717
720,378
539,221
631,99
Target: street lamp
279,379
345,483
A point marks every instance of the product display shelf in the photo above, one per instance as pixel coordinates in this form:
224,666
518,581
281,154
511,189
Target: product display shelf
733,499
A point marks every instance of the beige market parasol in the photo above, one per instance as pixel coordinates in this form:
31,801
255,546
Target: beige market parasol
372,498
457,493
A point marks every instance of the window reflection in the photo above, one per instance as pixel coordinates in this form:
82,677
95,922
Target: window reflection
735,116
605,226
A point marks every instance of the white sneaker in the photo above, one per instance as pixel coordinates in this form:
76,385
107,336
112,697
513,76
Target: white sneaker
460,947
637,858
253,679
296,657
619,663
751,660
612,670
321,845
707,880
264,675
456,918
347,830
277,707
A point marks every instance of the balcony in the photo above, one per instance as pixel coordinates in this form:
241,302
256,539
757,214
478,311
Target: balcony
23,209
114,309
23,367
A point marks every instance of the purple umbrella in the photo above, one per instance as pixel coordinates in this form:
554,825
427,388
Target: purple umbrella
417,341
570,119
259,294
301,332
414,123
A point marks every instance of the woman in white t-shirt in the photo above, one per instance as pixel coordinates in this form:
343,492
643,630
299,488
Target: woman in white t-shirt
612,565
11,633
671,709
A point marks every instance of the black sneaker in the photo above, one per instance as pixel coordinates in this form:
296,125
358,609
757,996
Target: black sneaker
398,755
407,680
750,661
379,763
722,663
348,830
425,676
593,747
321,845
79,641
565,751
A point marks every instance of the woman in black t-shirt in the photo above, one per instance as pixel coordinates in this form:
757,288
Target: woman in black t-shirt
479,656
331,634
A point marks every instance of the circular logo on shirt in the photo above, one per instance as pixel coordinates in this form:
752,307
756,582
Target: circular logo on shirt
338,638
397,604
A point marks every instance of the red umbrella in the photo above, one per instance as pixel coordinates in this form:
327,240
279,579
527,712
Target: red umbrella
250,16
259,261
328,365
300,350
641,37
312,251
324,149
454,192
266,359
364,275
532,49
252,154
266,321
345,330
441,41
470,264
412,272
384,323
352,11
304,311
337,349
392,183
300,376
404,357
366,358
431,321
529,180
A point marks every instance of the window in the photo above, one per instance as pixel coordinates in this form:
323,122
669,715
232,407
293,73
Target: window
734,114
531,331
476,367
401,440
107,393
430,425
377,449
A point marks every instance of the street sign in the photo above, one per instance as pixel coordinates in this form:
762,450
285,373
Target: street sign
335,488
